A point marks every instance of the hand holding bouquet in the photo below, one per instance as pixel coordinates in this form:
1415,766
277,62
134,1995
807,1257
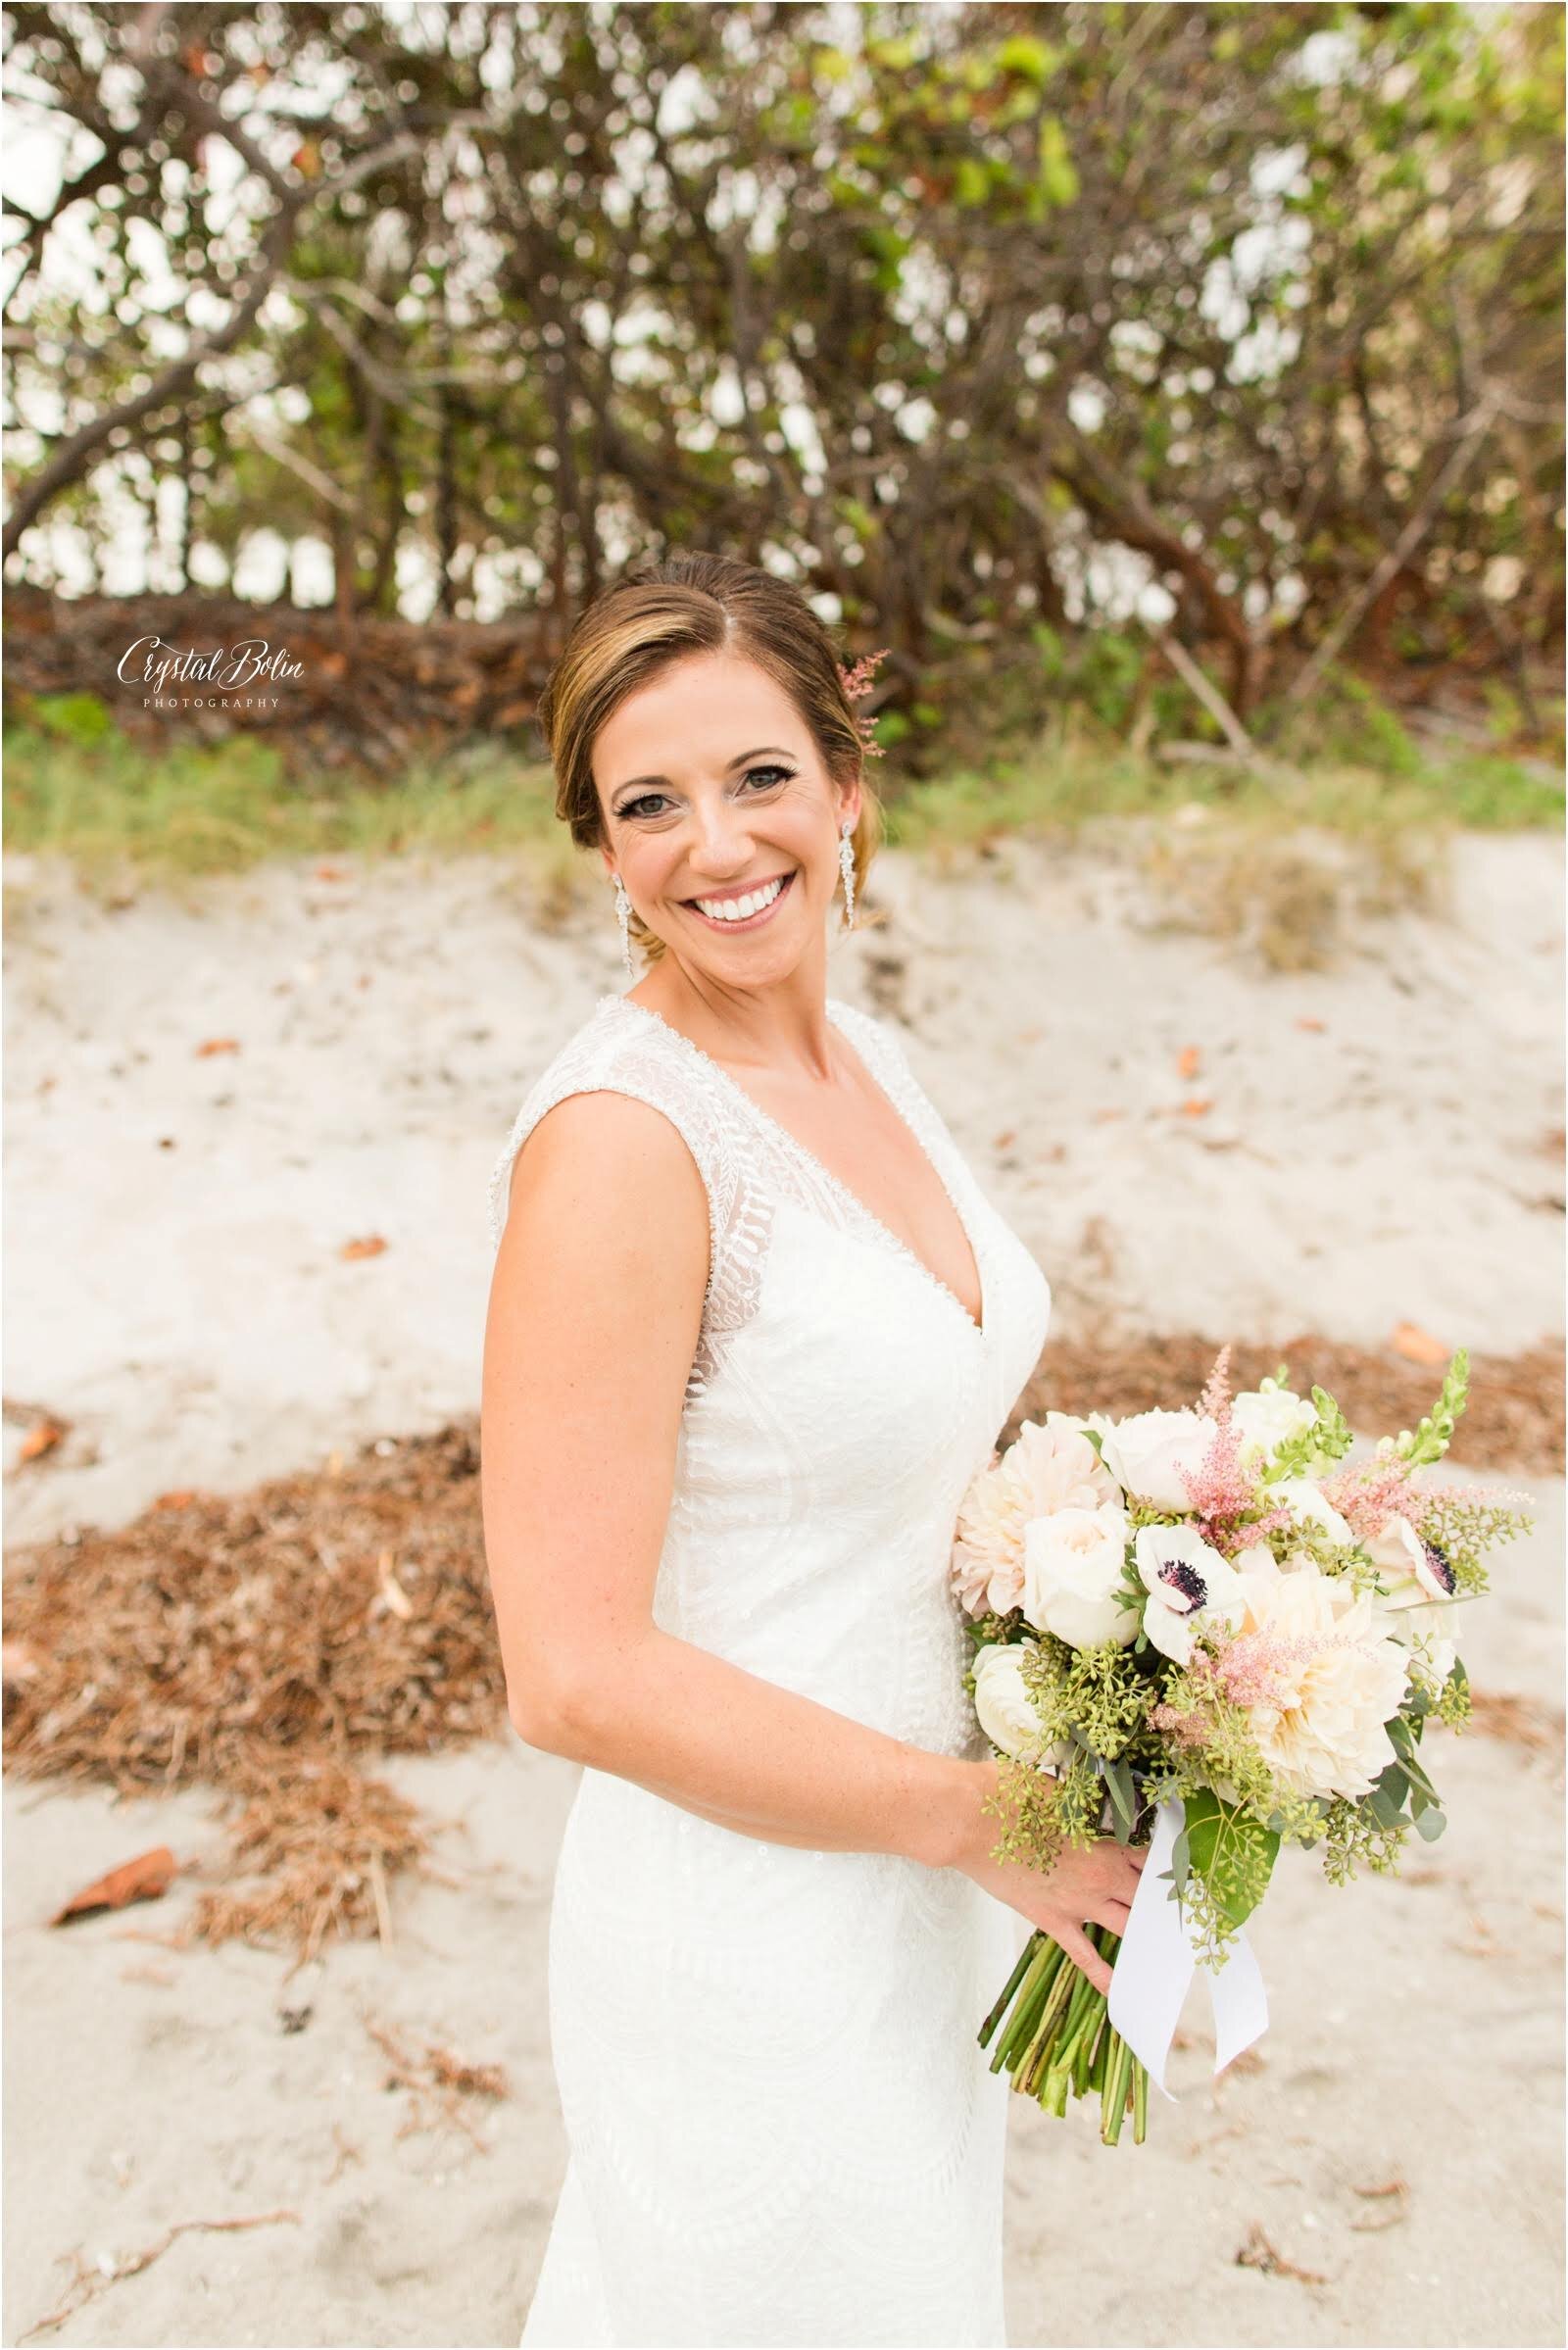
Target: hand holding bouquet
1198,1629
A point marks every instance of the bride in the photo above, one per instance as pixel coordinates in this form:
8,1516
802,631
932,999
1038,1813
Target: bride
753,1326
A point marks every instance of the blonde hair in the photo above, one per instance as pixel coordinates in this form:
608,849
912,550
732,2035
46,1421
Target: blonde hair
684,604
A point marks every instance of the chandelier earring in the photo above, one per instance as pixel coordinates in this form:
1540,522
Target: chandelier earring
847,869
624,917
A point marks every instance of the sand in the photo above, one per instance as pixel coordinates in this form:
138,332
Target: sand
174,1284
1415,2035
187,1309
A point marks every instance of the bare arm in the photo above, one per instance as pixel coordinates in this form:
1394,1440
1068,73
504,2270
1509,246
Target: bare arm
595,1311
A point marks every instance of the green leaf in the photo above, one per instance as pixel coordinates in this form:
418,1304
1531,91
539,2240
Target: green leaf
1401,1738
1386,1801
1119,1786
1234,1852
1058,180
1430,1824
973,186
1037,61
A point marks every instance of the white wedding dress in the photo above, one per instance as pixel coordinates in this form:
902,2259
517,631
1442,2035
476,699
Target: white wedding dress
781,2127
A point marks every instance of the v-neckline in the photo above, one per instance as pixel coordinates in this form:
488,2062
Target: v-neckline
835,1183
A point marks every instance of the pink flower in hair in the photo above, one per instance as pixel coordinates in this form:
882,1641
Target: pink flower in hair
858,680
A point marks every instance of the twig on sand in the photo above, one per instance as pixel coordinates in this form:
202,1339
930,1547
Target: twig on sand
1391,2196
435,2080
347,2152
1259,2253
88,2284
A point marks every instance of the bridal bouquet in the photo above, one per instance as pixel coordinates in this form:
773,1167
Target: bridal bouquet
1204,1631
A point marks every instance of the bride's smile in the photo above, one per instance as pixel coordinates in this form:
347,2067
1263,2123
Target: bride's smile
743,909
722,820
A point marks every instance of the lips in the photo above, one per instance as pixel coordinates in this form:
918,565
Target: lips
750,921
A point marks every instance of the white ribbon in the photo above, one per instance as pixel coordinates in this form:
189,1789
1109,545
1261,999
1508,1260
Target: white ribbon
1153,1970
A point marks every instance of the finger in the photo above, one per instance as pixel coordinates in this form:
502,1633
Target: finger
1085,1957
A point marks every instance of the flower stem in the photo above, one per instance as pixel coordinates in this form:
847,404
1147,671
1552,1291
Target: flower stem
1113,2100
1098,2061
1026,1959
1039,1983
1022,2047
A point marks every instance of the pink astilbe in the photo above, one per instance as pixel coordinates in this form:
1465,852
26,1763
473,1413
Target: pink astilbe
1220,1488
1182,1729
858,680
1277,1520
1365,1496
1249,1670
1215,1399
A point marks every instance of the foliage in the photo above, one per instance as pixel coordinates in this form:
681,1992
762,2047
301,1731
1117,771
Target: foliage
928,307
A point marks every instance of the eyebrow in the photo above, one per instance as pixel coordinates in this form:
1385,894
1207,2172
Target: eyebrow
642,783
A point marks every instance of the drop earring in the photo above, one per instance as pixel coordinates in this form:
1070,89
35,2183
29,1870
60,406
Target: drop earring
622,916
847,869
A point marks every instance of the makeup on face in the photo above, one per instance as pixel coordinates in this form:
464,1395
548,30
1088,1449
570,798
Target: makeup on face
728,841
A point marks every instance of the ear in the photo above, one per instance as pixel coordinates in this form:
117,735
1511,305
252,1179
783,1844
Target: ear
849,803
609,862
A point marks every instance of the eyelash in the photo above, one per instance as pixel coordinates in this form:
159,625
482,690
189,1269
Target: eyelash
632,806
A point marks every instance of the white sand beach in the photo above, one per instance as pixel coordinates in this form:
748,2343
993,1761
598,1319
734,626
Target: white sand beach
1415,2046
1382,1141
1383,1145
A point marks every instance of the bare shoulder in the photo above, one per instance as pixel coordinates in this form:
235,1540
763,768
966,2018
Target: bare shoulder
604,1188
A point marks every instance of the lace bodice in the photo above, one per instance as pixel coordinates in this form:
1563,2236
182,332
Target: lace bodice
781,2128
840,1396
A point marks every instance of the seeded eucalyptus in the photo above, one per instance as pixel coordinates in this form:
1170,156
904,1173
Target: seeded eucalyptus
1209,1622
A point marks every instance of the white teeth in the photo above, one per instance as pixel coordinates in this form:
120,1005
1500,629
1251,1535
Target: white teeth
739,909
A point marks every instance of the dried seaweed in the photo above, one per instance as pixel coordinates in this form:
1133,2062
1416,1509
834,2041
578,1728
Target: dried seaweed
1513,1418
436,2081
261,1643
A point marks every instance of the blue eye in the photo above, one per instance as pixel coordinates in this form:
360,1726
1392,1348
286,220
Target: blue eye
781,774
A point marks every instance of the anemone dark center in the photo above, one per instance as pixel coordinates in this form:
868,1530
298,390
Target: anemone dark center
1438,1561
1182,1576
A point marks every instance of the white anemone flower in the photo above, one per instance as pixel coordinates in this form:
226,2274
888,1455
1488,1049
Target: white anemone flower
1190,1588
1411,1572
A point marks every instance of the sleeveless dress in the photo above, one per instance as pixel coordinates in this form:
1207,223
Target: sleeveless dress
781,2128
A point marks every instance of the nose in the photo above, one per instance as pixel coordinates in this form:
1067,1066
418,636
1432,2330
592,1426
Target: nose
720,848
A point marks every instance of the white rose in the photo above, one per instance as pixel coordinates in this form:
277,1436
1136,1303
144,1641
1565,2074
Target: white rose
1263,1417
1082,1423
1190,1588
1306,1505
1146,1453
1006,1711
1072,1571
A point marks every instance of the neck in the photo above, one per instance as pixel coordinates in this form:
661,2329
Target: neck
783,1025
